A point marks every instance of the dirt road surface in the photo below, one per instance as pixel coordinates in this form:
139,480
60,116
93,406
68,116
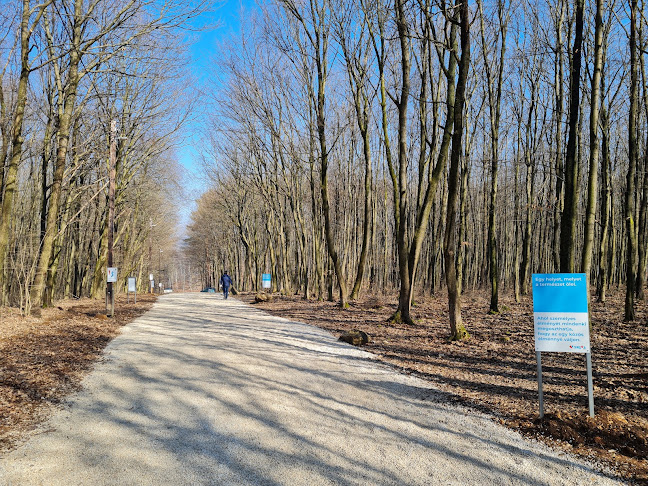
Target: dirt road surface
202,390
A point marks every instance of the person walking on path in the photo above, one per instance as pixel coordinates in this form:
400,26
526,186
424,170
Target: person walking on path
226,282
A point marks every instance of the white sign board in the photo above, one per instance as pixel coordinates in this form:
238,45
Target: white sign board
112,274
132,284
560,317
150,276
266,280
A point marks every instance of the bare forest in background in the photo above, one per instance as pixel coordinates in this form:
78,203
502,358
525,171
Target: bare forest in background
422,146
67,71
354,146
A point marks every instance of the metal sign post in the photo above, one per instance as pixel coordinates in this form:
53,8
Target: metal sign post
561,322
590,383
540,394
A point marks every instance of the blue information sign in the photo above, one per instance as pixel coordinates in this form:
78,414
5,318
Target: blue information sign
266,280
560,317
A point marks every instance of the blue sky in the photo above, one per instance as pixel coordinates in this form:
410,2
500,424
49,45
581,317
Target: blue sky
213,27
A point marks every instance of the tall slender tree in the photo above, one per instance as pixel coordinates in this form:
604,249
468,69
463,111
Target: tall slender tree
29,21
570,210
633,154
356,58
494,89
592,186
315,23
457,329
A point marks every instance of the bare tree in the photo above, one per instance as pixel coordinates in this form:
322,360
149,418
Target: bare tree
457,329
315,23
30,20
592,187
494,89
631,234
356,57
570,210
78,45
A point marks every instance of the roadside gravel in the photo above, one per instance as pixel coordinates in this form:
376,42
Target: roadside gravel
203,391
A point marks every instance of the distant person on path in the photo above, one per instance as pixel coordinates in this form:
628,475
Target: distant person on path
225,281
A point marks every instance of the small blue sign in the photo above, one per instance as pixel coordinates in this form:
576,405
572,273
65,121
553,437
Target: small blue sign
266,280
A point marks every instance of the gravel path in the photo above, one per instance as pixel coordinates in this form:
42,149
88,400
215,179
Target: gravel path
202,390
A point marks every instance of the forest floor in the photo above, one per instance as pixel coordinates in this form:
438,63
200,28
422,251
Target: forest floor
43,359
495,371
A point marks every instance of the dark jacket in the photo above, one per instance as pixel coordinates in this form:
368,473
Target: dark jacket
226,280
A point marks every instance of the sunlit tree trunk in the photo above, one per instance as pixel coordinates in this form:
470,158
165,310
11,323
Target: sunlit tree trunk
606,208
558,138
642,225
516,216
67,104
592,186
10,181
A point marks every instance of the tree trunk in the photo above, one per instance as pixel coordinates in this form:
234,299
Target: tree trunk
592,186
356,70
516,217
66,111
457,329
5,137
642,225
368,195
558,141
404,299
426,195
317,254
11,176
320,42
494,104
328,230
463,243
631,235
570,210
606,207
642,229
